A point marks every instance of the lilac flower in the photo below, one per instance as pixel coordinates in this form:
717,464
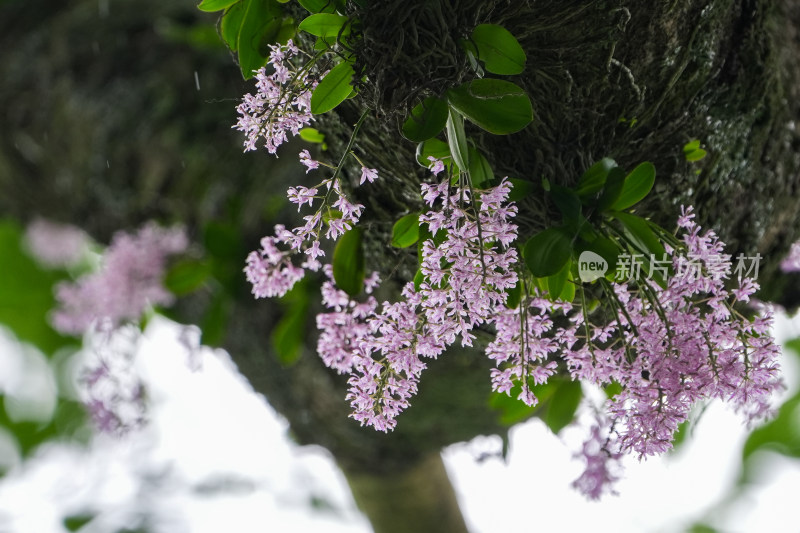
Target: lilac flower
368,174
56,245
301,195
270,270
128,282
305,159
280,105
436,165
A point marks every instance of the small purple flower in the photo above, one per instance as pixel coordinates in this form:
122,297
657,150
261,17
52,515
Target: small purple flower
305,159
436,165
368,174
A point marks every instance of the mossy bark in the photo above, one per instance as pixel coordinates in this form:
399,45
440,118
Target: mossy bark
104,127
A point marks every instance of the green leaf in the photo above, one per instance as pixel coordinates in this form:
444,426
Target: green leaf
691,146
563,404
637,185
260,27
215,5
325,25
514,296
641,234
498,49
419,277
333,89
187,276
26,293
520,189
312,135
319,6
286,31
405,231
696,155
605,248
480,172
457,139
556,282
433,148
568,203
230,25
497,106
427,119
595,177
615,181
348,262
547,252
291,331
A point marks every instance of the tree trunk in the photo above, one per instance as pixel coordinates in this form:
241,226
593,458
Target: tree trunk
103,127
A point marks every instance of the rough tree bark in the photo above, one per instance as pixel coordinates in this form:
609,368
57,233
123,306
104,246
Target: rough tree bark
103,127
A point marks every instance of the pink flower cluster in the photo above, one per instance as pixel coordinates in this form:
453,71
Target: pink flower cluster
467,270
668,347
270,269
56,245
129,281
281,104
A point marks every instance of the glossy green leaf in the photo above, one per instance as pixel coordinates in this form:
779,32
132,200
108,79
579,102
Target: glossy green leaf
497,106
318,6
312,135
426,120
563,405
556,282
480,172
405,231
432,148
691,146
547,252
696,155
595,177
457,139
325,25
231,23
259,29
639,231
605,248
637,185
348,262
215,5
615,181
333,89
500,51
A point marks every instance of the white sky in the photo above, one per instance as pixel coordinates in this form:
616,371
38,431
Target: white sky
208,429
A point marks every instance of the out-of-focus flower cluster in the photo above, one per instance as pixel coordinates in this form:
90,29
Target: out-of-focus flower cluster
112,389
130,280
56,245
